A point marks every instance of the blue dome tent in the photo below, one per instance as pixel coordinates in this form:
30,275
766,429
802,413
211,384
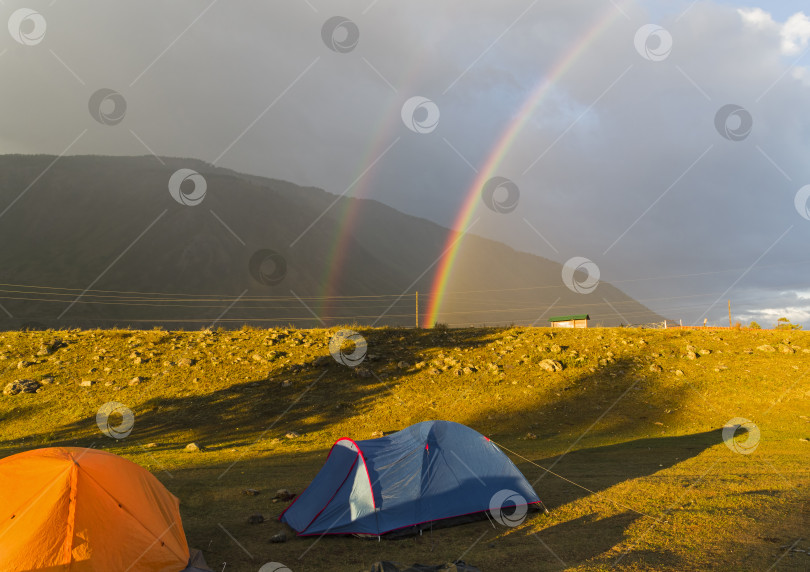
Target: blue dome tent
428,472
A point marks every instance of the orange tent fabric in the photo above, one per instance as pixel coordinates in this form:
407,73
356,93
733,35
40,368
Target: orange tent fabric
69,508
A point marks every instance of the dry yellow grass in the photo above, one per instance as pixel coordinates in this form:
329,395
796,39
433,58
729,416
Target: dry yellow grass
668,493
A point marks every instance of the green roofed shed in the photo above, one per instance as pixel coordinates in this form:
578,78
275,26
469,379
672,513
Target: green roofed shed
573,321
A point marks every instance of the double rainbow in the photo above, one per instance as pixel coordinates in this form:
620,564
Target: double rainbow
348,210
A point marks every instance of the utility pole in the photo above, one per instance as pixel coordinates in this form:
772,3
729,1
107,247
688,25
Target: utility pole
729,313
417,309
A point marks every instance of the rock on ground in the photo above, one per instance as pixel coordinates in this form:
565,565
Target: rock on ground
21,386
550,365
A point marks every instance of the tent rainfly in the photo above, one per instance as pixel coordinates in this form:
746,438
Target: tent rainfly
70,508
407,481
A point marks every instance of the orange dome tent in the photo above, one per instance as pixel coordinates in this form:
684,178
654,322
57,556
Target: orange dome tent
69,508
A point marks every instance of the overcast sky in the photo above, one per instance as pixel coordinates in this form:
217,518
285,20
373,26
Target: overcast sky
631,158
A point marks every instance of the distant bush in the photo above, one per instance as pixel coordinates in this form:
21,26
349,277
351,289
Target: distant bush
784,324
754,326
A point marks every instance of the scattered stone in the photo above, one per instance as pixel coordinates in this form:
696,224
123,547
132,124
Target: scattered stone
136,380
186,362
21,386
283,495
748,351
766,348
376,434
49,348
705,352
108,384
531,436
150,446
678,372
363,372
434,371
24,363
550,365
139,360
255,519
250,492
403,365
655,368
785,349
286,383
46,380
87,383
691,355
555,349
194,447
292,435
278,538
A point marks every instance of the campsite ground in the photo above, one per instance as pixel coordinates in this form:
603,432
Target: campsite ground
634,417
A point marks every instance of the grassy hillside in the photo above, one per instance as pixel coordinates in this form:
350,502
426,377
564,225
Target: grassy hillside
634,417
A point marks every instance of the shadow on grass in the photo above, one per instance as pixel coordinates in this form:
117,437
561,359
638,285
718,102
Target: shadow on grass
600,468
327,393
583,538
321,393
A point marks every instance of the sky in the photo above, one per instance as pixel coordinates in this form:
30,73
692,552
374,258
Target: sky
665,142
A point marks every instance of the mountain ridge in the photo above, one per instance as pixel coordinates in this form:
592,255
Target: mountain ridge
126,233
